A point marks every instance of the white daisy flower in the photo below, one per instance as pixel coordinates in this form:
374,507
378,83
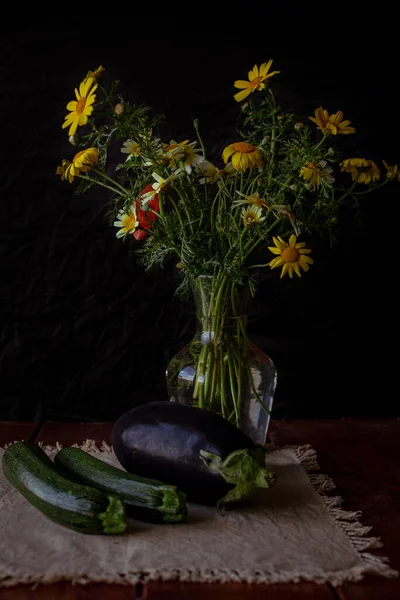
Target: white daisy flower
158,186
131,148
126,222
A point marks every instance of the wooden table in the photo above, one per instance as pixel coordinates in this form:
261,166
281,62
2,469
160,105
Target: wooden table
362,456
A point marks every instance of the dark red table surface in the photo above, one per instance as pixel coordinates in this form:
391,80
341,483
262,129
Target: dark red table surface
362,456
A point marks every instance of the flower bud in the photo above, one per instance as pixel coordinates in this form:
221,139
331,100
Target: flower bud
299,126
72,140
119,108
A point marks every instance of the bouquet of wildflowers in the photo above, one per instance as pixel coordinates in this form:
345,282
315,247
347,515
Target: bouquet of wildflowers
223,217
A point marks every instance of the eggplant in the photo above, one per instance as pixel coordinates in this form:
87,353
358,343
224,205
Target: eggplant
208,458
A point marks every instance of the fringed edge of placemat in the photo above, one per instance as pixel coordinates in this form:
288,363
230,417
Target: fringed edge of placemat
348,520
321,484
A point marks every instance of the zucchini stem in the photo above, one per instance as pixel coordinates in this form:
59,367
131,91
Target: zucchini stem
114,517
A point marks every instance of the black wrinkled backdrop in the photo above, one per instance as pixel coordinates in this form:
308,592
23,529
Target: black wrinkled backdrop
85,333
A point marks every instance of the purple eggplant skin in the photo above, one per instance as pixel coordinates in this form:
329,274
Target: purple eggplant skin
162,440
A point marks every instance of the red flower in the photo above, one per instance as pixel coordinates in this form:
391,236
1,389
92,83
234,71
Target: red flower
145,217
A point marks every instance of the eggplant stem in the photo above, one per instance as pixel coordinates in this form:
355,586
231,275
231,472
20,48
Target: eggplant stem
244,469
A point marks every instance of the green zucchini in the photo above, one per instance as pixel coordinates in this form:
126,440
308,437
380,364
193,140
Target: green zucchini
65,501
150,499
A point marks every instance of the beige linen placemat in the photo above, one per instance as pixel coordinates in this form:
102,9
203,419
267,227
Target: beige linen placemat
293,532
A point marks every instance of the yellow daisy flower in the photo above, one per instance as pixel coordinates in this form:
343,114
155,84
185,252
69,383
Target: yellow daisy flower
62,169
81,108
393,172
95,75
331,124
252,215
257,76
291,256
310,173
243,156
253,199
82,162
212,174
174,148
174,152
127,222
362,169
313,173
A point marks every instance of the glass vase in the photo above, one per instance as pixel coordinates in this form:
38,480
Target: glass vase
221,369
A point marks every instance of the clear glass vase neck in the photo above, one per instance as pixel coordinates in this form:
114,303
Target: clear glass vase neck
219,301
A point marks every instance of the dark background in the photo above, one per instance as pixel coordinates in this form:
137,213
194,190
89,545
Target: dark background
85,333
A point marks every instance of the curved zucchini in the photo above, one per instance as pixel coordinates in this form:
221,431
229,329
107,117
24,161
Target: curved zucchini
63,500
150,499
